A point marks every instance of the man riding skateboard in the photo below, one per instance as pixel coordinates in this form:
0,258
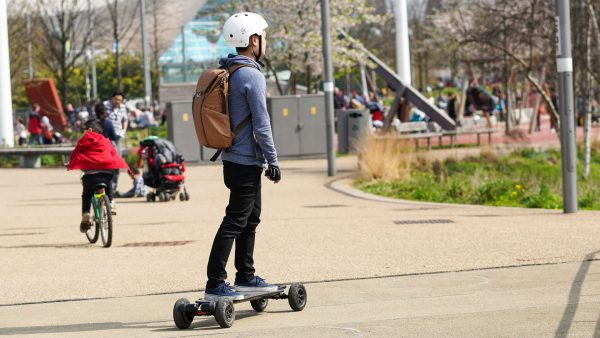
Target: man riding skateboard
243,163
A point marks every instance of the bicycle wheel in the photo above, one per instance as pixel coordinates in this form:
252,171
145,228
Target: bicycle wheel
94,230
105,221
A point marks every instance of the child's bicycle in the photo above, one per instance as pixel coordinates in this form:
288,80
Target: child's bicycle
101,223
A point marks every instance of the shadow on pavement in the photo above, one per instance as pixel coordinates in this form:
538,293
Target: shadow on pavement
574,296
209,322
89,327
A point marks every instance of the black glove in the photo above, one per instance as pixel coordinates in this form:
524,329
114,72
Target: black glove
273,173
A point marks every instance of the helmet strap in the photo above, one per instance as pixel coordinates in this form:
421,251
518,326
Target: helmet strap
257,57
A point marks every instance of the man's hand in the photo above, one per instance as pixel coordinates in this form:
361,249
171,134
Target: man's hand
273,173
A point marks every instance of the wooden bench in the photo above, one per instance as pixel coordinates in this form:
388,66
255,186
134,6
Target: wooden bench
451,134
411,127
30,157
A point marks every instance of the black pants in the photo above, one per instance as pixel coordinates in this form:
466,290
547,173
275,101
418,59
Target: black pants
89,181
239,224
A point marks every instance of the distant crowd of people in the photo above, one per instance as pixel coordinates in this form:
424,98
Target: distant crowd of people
483,100
37,129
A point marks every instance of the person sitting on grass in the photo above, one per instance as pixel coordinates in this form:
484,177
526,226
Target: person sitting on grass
138,189
97,158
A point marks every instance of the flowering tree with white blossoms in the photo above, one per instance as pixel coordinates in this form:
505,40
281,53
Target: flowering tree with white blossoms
294,35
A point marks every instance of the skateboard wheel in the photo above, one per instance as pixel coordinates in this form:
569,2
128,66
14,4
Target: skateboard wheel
225,313
297,297
259,305
182,319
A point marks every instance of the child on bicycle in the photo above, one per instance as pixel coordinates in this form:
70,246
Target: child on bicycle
97,158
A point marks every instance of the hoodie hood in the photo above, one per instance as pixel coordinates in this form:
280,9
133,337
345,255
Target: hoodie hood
95,152
233,59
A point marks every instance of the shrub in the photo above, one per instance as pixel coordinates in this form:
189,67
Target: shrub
52,160
384,158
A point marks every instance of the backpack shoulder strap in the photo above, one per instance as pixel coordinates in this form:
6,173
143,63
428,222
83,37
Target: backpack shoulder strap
235,68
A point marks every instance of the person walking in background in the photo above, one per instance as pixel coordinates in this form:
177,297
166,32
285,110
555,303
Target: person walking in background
451,107
339,101
20,131
71,115
47,130
117,115
34,125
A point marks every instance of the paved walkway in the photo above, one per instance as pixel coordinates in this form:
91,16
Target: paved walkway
375,266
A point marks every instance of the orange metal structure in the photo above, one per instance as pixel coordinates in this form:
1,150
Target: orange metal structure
43,92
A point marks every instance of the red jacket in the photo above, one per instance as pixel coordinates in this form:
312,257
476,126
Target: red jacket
95,152
34,125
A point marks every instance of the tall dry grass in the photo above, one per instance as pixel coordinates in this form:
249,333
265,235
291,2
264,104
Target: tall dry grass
384,157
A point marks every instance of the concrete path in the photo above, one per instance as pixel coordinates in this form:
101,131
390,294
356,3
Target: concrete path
533,301
375,266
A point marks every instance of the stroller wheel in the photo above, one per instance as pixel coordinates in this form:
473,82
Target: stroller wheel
149,197
162,196
182,196
187,196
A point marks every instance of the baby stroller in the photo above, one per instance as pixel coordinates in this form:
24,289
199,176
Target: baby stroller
163,170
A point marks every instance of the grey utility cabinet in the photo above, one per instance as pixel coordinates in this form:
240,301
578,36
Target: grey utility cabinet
181,129
182,133
298,124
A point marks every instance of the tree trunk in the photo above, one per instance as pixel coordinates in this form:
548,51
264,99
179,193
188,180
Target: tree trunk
308,80
293,83
590,97
118,67
64,80
463,102
506,75
272,70
538,99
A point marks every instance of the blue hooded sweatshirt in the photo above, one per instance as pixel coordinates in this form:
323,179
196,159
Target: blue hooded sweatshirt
253,145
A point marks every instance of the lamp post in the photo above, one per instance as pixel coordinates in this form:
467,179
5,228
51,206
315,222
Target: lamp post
328,87
402,44
6,114
564,65
147,85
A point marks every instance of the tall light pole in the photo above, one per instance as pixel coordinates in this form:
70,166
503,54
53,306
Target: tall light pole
92,27
147,85
328,86
402,43
564,65
6,114
29,49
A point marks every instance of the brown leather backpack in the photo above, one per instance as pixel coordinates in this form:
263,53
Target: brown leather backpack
210,110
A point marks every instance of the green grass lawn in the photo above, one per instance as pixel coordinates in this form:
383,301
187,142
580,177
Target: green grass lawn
525,178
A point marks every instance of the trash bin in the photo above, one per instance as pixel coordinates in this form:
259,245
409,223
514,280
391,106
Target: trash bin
352,124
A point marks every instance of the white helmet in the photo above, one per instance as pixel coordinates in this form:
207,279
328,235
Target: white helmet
241,26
